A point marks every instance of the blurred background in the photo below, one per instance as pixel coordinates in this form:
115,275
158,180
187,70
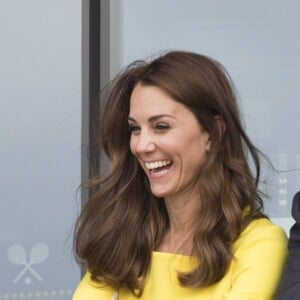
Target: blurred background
56,55
40,153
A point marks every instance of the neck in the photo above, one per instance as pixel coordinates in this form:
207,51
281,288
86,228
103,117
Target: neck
182,214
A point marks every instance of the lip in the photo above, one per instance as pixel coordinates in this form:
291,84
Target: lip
159,175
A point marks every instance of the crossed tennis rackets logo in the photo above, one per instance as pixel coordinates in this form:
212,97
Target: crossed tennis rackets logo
17,255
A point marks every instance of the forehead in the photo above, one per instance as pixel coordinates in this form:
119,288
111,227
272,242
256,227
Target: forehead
153,100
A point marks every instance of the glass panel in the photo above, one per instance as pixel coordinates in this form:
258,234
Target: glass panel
40,116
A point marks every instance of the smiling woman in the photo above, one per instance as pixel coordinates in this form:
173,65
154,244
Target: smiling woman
179,216
161,128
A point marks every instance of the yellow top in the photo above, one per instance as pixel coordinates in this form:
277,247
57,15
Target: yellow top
259,254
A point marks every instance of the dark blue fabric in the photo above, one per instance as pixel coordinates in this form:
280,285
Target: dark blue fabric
289,287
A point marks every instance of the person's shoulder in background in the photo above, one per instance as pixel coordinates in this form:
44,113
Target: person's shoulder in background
289,287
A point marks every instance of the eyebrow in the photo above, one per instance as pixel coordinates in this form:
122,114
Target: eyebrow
153,118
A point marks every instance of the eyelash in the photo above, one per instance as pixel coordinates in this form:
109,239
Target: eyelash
159,127
133,128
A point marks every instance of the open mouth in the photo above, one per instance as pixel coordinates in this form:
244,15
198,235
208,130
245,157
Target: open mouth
160,166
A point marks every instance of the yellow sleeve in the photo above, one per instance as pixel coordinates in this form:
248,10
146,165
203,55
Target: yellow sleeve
258,263
90,290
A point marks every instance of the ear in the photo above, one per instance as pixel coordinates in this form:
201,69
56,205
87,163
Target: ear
220,125
207,142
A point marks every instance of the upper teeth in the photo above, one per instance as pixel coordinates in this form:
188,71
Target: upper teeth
157,164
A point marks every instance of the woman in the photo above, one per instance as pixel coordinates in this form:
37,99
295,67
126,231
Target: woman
179,216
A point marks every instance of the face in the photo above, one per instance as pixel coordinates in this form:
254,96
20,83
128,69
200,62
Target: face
167,140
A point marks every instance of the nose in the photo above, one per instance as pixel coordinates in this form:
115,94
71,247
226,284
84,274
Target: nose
145,143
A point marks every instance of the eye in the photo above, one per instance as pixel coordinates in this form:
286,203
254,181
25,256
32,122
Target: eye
134,129
162,126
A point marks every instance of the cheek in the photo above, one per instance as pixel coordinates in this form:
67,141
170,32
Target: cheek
195,153
132,144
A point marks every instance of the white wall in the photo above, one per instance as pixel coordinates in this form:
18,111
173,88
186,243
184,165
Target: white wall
257,42
40,115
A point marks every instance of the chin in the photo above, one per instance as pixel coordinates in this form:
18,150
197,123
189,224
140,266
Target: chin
160,193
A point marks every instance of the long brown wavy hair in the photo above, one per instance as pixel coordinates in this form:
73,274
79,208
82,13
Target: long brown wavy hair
122,223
